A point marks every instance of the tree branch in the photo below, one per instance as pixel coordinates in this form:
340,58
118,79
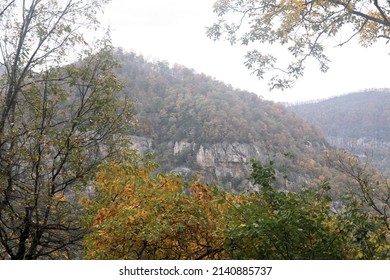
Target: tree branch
379,8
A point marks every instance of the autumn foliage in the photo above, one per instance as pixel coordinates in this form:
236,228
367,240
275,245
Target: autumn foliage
138,214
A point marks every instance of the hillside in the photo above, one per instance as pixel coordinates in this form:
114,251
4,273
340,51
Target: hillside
358,122
197,125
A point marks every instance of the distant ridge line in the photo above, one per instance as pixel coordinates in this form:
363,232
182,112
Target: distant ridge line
314,101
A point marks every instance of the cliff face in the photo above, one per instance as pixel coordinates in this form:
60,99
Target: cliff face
214,161
227,159
223,162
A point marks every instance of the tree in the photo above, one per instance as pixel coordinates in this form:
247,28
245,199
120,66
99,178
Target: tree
370,192
303,225
58,121
279,225
301,26
137,214
286,225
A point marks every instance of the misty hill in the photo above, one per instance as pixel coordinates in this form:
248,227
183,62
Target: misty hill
358,122
197,125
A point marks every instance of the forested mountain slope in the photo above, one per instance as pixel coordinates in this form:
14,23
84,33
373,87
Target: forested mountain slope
195,124
358,122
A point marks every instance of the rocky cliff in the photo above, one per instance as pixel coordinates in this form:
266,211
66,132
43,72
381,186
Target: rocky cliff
226,163
215,162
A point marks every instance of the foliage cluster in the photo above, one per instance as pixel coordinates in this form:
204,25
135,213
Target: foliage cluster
137,214
301,28
141,215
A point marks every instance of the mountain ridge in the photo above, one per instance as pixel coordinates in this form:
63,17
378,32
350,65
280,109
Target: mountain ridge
196,125
357,122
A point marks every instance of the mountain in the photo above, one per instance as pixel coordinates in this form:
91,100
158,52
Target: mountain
357,122
198,125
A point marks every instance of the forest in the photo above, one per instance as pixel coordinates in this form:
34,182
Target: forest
344,126
260,182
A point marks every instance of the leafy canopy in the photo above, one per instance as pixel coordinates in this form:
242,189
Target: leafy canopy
140,215
58,121
137,214
300,26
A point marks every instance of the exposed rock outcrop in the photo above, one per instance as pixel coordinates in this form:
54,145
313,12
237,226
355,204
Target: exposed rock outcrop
142,144
219,161
227,159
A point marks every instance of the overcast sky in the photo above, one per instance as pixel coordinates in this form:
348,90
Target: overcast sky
174,30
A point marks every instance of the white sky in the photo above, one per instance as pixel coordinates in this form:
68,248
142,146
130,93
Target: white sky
174,30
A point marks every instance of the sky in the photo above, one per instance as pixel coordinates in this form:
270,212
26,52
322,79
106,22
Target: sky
175,31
